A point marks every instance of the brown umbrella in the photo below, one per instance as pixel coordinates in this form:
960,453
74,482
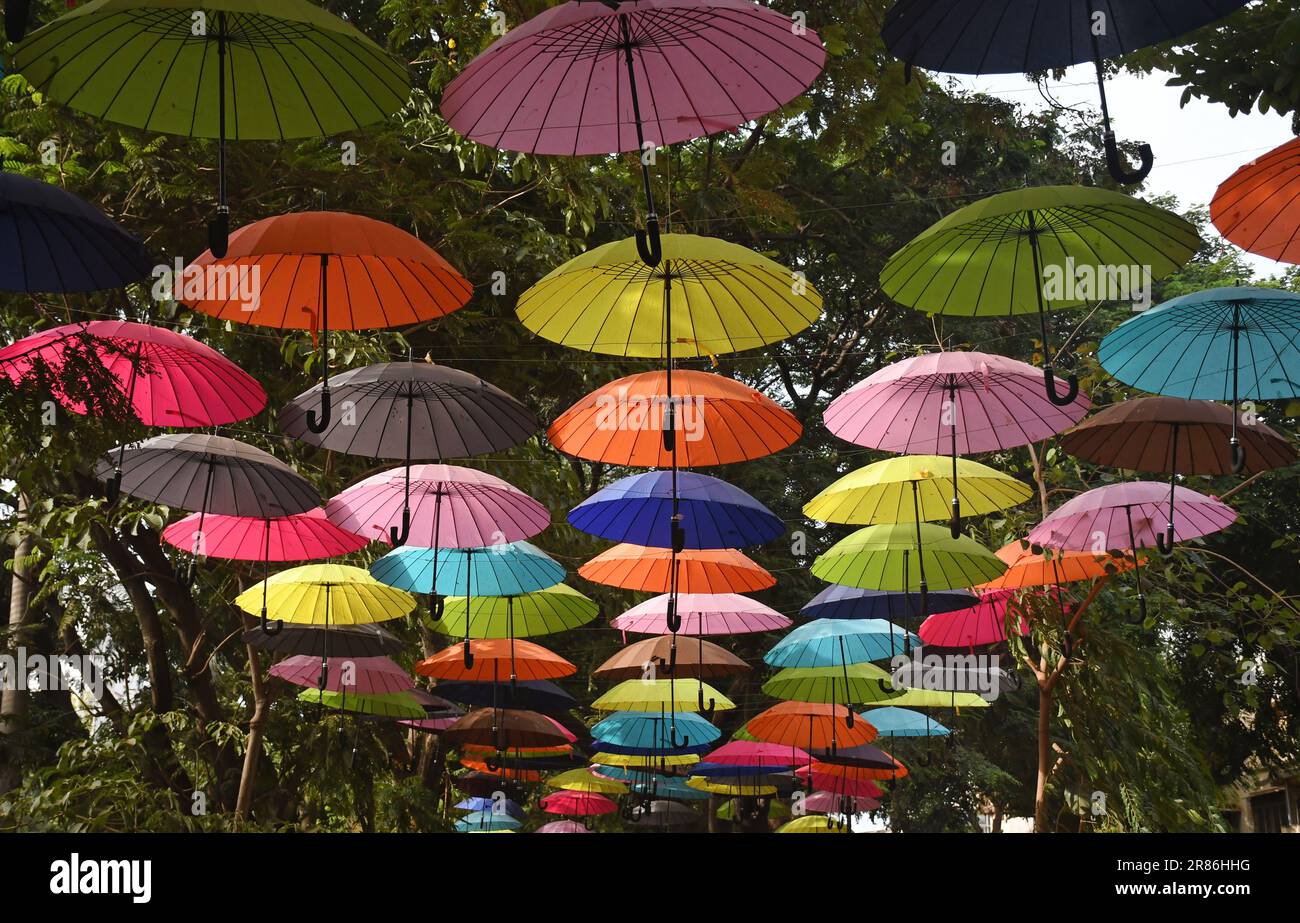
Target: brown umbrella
1173,435
704,660
506,730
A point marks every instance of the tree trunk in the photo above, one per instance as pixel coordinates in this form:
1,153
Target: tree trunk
253,750
16,700
1044,745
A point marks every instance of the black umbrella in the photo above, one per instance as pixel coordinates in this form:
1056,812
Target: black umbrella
412,410
1020,36
534,695
343,640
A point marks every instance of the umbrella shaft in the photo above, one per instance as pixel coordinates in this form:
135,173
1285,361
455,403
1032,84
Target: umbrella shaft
221,109
636,113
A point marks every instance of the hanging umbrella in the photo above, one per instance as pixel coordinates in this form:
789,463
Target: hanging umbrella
717,570
408,410
710,420
1221,344
587,78
640,509
577,804
241,70
325,594
649,730
351,675
1171,435
1257,207
544,612
507,806
854,771
663,814
562,826
1019,36
839,642
322,271
810,725
55,242
983,623
584,780
504,730
937,698
702,614
760,756
533,695
1123,517
839,785
989,258
735,786
1029,566
487,822
846,602
341,640
831,803
961,403
859,683
813,823
669,696
495,570
393,705
892,721
486,784
662,758
494,659
705,661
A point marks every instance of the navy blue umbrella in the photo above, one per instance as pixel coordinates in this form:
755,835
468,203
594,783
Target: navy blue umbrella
846,602
531,695
52,241
1018,36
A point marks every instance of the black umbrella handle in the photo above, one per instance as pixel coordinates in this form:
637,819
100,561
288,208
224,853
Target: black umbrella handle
648,245
219,232
674,623
468,655
1071,392
677,536
113,487
1165,542
400,535
954,526
436,606
318,424
16,19
1238,456
271,628
670,427
706,711
1115,163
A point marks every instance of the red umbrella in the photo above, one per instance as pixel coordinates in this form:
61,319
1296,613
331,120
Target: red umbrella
578,804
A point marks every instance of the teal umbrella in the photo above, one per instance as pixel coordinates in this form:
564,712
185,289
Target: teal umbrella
486,821
892,721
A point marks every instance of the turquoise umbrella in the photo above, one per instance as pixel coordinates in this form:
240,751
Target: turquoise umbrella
838,642
484,821
892,721
649,730
1222,344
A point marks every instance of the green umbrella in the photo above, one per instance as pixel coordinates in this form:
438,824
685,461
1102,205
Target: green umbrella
388,705
1032,250
544,612
860,683
238,70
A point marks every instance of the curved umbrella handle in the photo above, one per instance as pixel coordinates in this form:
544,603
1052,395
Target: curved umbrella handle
706,711
1072,387
492,762
271,628
319,424
113,487
16,19
1166,542
1115,164
954,526
468,656
436,605
678,536
668,666
400,535
849,718
219,232
674,622
648,245
1142,607
1238,457
674,742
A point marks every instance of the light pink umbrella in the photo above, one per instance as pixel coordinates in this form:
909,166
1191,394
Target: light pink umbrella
1128,517
360,675
448,507
983,623
562,826
951,403
831,803
577,804
702,614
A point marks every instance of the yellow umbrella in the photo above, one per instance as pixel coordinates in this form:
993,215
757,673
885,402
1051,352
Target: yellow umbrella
813,823
706,296
730,787
326,594
583,780
660,694
644,761
937,698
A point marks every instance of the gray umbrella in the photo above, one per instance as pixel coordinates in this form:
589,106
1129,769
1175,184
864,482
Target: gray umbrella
342,640
412,410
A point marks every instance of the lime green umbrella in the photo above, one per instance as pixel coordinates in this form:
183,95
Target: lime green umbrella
859,683
1001,255
388,705
936,698
238,70
558,608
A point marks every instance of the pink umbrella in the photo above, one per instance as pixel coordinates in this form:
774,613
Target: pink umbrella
577,804
983,623
955,403
431,725
562,826
758,754
1128,517
360,675
702,614
565,732
839,785
445,506
831,803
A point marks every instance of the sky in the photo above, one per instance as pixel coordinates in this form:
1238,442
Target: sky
1196,147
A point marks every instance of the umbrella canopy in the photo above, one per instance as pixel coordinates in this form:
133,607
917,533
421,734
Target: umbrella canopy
1258,206
353,675
705,297
859,683
838,785
653,695
846,602
813,823
584,780
394,705
167,378
834,642
884,558
915,487
703,660
478,803
937,698
663,813
636,567
710,420
443,506
487,822
505,730
892,721
640,508
326,594
661,759
55,242
983,623
557,608
336,640
742,786
307,536
1029,566
577,804
831,803
649,730
992,257
208,474
562,826
856,770
811,725
496,570
756,755
702,614
533,695
494,659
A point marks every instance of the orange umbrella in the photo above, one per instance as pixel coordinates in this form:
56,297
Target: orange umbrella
712,420
494,658
810,725
634,567
319,271
1025,568
1258,206
858,773
518,775
707,661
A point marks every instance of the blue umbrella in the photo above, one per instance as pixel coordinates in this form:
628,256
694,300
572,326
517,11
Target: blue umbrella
892,721
481,821
846,602
55,242
649,730
1222,344
839,642
478,803
639,510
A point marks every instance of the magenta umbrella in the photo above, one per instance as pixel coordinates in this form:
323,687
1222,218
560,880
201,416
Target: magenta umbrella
758,754
358,675
983,623
951,403
838,785
562,826
596,78
1104,517
820,802
702,614
578,804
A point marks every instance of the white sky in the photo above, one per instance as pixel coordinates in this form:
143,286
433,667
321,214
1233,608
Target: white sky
1196,147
